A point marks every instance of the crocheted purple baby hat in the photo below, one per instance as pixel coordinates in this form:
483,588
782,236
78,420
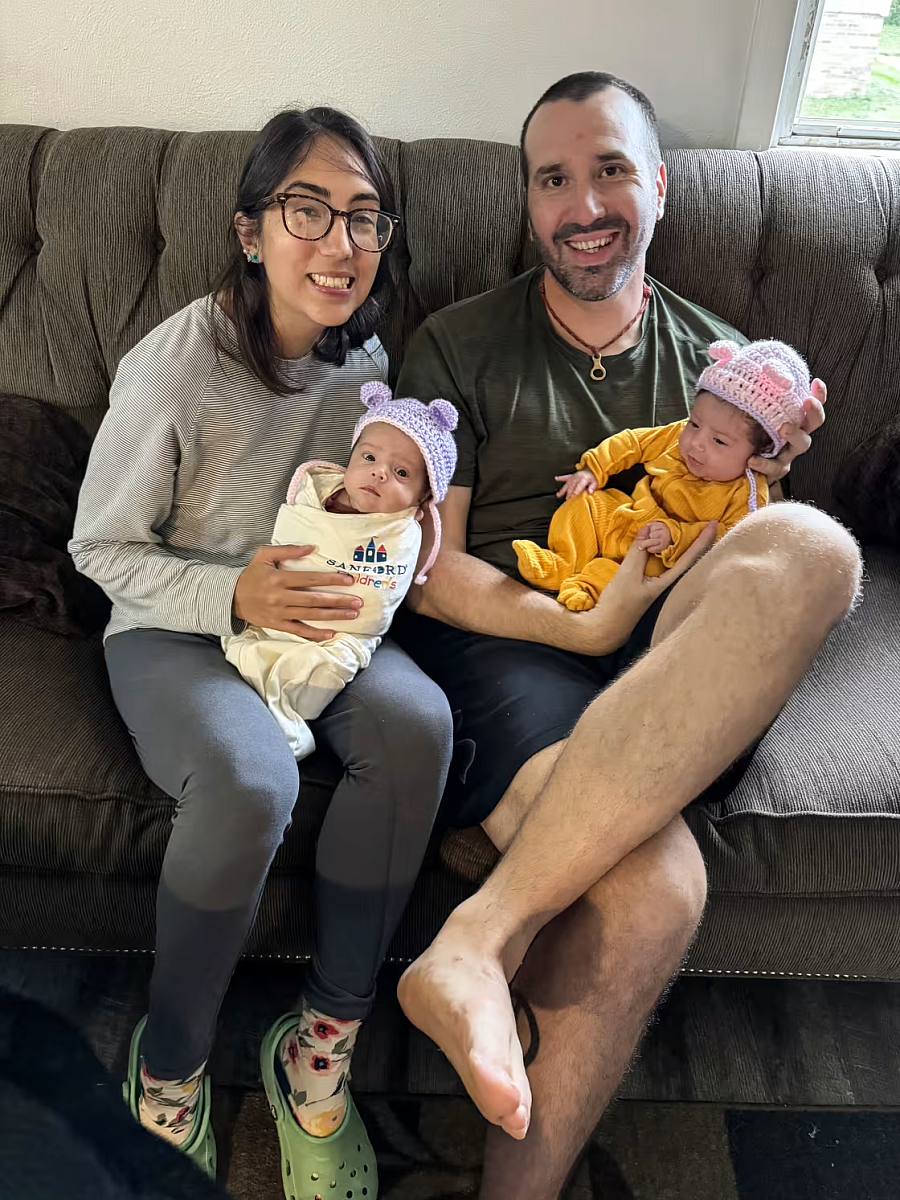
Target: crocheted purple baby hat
767,380
431,427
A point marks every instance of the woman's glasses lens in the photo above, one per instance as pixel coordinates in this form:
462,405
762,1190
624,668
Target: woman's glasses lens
309,219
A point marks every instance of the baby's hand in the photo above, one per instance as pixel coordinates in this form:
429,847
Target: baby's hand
654,538
573,485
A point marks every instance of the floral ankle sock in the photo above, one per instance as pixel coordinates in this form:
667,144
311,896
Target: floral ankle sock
316,1061
167,1106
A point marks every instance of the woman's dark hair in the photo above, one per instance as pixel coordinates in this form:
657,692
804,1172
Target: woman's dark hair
280,146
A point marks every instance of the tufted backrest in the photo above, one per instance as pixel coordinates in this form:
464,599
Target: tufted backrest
105,232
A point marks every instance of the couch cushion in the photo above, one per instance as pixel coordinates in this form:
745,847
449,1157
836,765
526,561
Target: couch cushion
73,795
817,811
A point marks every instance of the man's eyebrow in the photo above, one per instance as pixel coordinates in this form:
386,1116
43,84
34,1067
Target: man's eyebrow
326,194
612,156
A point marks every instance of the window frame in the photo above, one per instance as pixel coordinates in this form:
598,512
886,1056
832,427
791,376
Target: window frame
790,128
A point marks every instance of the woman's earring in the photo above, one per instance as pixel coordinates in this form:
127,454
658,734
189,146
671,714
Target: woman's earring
252,256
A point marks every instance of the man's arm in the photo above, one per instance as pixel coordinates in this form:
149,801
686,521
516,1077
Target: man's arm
470,594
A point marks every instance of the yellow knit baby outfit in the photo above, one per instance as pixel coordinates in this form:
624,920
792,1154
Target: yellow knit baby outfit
590,535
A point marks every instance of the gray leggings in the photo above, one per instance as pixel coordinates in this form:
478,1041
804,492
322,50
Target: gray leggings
207,739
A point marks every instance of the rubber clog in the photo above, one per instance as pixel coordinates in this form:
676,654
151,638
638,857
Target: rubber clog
313,1168
200,1147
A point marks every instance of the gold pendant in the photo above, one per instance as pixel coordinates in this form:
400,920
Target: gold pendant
598,371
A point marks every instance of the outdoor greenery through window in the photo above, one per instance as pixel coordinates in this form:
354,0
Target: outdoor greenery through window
852,86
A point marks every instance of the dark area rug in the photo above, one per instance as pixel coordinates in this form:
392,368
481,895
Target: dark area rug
697,1119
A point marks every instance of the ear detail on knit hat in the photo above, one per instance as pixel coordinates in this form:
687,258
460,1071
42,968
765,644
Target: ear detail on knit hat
444,415
768,380
374,393
781,381
723,351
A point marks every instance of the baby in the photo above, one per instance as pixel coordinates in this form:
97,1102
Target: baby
696,472
365,521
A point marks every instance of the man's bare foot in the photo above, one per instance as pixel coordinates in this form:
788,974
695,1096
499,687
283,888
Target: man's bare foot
461,1001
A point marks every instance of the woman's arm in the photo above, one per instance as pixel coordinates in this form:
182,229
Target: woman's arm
125,500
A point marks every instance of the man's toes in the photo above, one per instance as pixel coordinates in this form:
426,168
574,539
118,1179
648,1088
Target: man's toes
517,1125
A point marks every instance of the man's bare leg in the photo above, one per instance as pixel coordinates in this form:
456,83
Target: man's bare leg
585,989
735,638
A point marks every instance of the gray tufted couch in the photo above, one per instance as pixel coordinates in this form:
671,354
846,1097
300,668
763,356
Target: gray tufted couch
104,232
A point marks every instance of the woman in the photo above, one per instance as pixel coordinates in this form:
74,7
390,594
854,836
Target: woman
209,416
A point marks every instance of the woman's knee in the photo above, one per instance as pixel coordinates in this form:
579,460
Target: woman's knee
406,727
247,793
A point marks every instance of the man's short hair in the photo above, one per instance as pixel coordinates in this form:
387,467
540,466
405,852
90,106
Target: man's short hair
583,85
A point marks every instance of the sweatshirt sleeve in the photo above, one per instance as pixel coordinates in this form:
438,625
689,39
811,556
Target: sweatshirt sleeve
127,496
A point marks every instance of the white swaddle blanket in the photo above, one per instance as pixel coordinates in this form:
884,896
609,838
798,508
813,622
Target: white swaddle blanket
297,678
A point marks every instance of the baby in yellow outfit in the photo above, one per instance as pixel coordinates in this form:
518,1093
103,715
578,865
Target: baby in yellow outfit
697,472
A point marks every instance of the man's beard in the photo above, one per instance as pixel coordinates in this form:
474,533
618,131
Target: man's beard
606,279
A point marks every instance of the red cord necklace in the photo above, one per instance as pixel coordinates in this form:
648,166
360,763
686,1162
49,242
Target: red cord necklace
598,371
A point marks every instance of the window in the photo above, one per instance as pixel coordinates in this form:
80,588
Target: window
843,80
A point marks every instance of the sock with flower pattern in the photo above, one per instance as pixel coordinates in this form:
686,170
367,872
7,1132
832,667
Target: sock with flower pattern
315,1057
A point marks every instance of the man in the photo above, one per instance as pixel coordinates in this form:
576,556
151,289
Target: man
577,779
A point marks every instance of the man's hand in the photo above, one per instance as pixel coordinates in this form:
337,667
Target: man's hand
798,436
573,485
628,595
271,597
653,537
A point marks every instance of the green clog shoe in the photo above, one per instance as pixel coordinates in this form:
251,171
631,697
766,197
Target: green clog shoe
312,1168
200,1147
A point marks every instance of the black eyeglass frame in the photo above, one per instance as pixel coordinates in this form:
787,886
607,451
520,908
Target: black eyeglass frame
282,198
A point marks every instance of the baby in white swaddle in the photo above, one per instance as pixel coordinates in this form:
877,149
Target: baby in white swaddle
365,520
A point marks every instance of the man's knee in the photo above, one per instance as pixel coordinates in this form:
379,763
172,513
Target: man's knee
666,895
790,561
811,559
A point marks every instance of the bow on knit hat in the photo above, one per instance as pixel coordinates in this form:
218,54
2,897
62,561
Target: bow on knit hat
767,380
431,427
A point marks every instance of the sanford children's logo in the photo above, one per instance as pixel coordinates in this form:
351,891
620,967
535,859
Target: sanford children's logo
370,562
370,554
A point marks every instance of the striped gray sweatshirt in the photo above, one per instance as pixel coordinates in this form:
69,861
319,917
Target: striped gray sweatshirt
190,465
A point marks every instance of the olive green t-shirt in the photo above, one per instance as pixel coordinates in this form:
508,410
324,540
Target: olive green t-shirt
528,408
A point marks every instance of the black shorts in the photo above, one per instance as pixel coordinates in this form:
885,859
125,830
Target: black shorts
510,700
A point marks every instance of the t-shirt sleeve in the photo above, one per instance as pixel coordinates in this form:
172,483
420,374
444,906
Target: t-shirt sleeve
431,371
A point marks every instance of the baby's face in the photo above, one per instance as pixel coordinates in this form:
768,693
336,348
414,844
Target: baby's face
717,440
386,472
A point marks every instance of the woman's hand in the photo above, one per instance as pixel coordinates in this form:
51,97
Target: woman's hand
798,436
273,598
573,485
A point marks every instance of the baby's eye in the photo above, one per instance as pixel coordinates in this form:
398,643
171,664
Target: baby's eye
368,458
719,442
693,425
403,473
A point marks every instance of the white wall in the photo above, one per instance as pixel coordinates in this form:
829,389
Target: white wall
407,68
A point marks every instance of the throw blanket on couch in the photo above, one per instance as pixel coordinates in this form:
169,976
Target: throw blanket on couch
43,455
